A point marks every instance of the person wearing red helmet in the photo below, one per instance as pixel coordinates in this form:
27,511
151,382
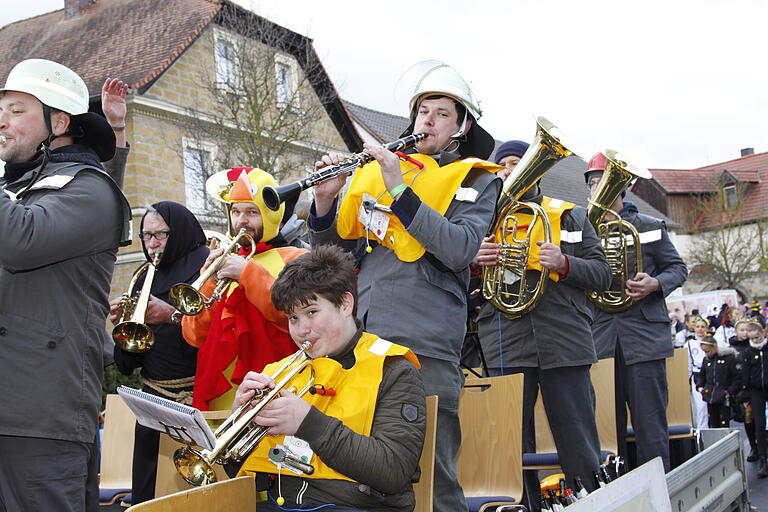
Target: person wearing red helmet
638,337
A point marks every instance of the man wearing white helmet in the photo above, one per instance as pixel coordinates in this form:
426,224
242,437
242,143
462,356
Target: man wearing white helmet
414,260
61,221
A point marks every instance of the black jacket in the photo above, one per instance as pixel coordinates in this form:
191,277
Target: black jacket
754,372
719,377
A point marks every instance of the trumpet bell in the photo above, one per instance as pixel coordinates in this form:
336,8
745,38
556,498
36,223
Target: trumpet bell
187,299
193,468
133,337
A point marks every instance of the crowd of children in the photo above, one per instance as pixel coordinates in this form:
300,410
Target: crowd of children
729,376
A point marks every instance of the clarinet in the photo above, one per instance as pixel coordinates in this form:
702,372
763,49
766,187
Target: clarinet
273,197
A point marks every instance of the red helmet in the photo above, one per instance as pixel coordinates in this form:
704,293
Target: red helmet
597,162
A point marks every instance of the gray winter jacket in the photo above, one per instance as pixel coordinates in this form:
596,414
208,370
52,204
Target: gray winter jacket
643,329
556,333
422,305
58,250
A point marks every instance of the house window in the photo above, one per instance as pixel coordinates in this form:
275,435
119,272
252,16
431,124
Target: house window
730,197
225,63
225,48
198,165
285,80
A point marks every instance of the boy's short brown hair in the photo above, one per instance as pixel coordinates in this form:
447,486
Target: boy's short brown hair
754,327
327,271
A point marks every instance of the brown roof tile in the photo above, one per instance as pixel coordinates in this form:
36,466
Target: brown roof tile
135,40
751,170
138,40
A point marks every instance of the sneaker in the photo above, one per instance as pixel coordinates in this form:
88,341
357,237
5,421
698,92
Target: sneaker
752,455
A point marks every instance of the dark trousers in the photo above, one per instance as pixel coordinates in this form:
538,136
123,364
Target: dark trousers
44,475
643,387
757,399
569,401
144,472
719,415
445,379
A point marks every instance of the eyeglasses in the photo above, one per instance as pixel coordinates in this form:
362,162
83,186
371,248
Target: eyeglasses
160,235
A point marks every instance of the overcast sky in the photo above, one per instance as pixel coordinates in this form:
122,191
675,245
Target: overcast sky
675,83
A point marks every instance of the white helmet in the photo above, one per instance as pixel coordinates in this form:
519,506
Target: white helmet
53,84
440,78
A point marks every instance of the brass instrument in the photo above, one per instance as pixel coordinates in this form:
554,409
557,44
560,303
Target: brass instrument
545,150
189,299
131,333
238,436
273,197
613,234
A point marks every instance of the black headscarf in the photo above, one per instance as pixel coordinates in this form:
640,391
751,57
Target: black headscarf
185,251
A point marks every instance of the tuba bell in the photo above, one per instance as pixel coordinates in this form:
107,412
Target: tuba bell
131,333
614,234
546,149
238,436
188,298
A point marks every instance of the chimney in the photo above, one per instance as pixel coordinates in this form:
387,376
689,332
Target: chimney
747,151
75,8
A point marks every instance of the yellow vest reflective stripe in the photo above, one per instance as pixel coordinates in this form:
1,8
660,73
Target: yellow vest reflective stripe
436,187
354,402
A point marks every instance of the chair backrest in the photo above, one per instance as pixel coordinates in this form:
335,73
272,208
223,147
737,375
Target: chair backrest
117,445
603,382
490,458
168,480
236,495
679,411
424,488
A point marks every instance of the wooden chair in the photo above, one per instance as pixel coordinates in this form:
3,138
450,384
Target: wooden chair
679,411
168,480
116,451
424,488
236,495
490,457
602,376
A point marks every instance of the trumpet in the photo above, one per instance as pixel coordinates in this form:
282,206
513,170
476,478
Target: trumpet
273,197
238,436
189,299
131,333
545,150
618,174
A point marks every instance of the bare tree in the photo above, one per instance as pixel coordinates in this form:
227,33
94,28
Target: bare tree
729,247
259,103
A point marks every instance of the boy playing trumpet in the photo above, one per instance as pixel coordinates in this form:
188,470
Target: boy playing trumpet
361,427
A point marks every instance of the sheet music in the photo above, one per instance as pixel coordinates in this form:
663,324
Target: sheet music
162,414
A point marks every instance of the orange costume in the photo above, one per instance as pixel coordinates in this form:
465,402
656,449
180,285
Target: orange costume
243,331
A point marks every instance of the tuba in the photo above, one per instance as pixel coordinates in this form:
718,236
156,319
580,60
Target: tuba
238,436
131,333
188,298
614,234
545,150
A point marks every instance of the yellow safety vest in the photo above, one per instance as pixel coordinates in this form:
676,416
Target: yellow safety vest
354,402
436,187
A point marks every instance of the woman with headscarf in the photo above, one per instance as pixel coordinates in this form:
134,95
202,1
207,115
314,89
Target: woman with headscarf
171,233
